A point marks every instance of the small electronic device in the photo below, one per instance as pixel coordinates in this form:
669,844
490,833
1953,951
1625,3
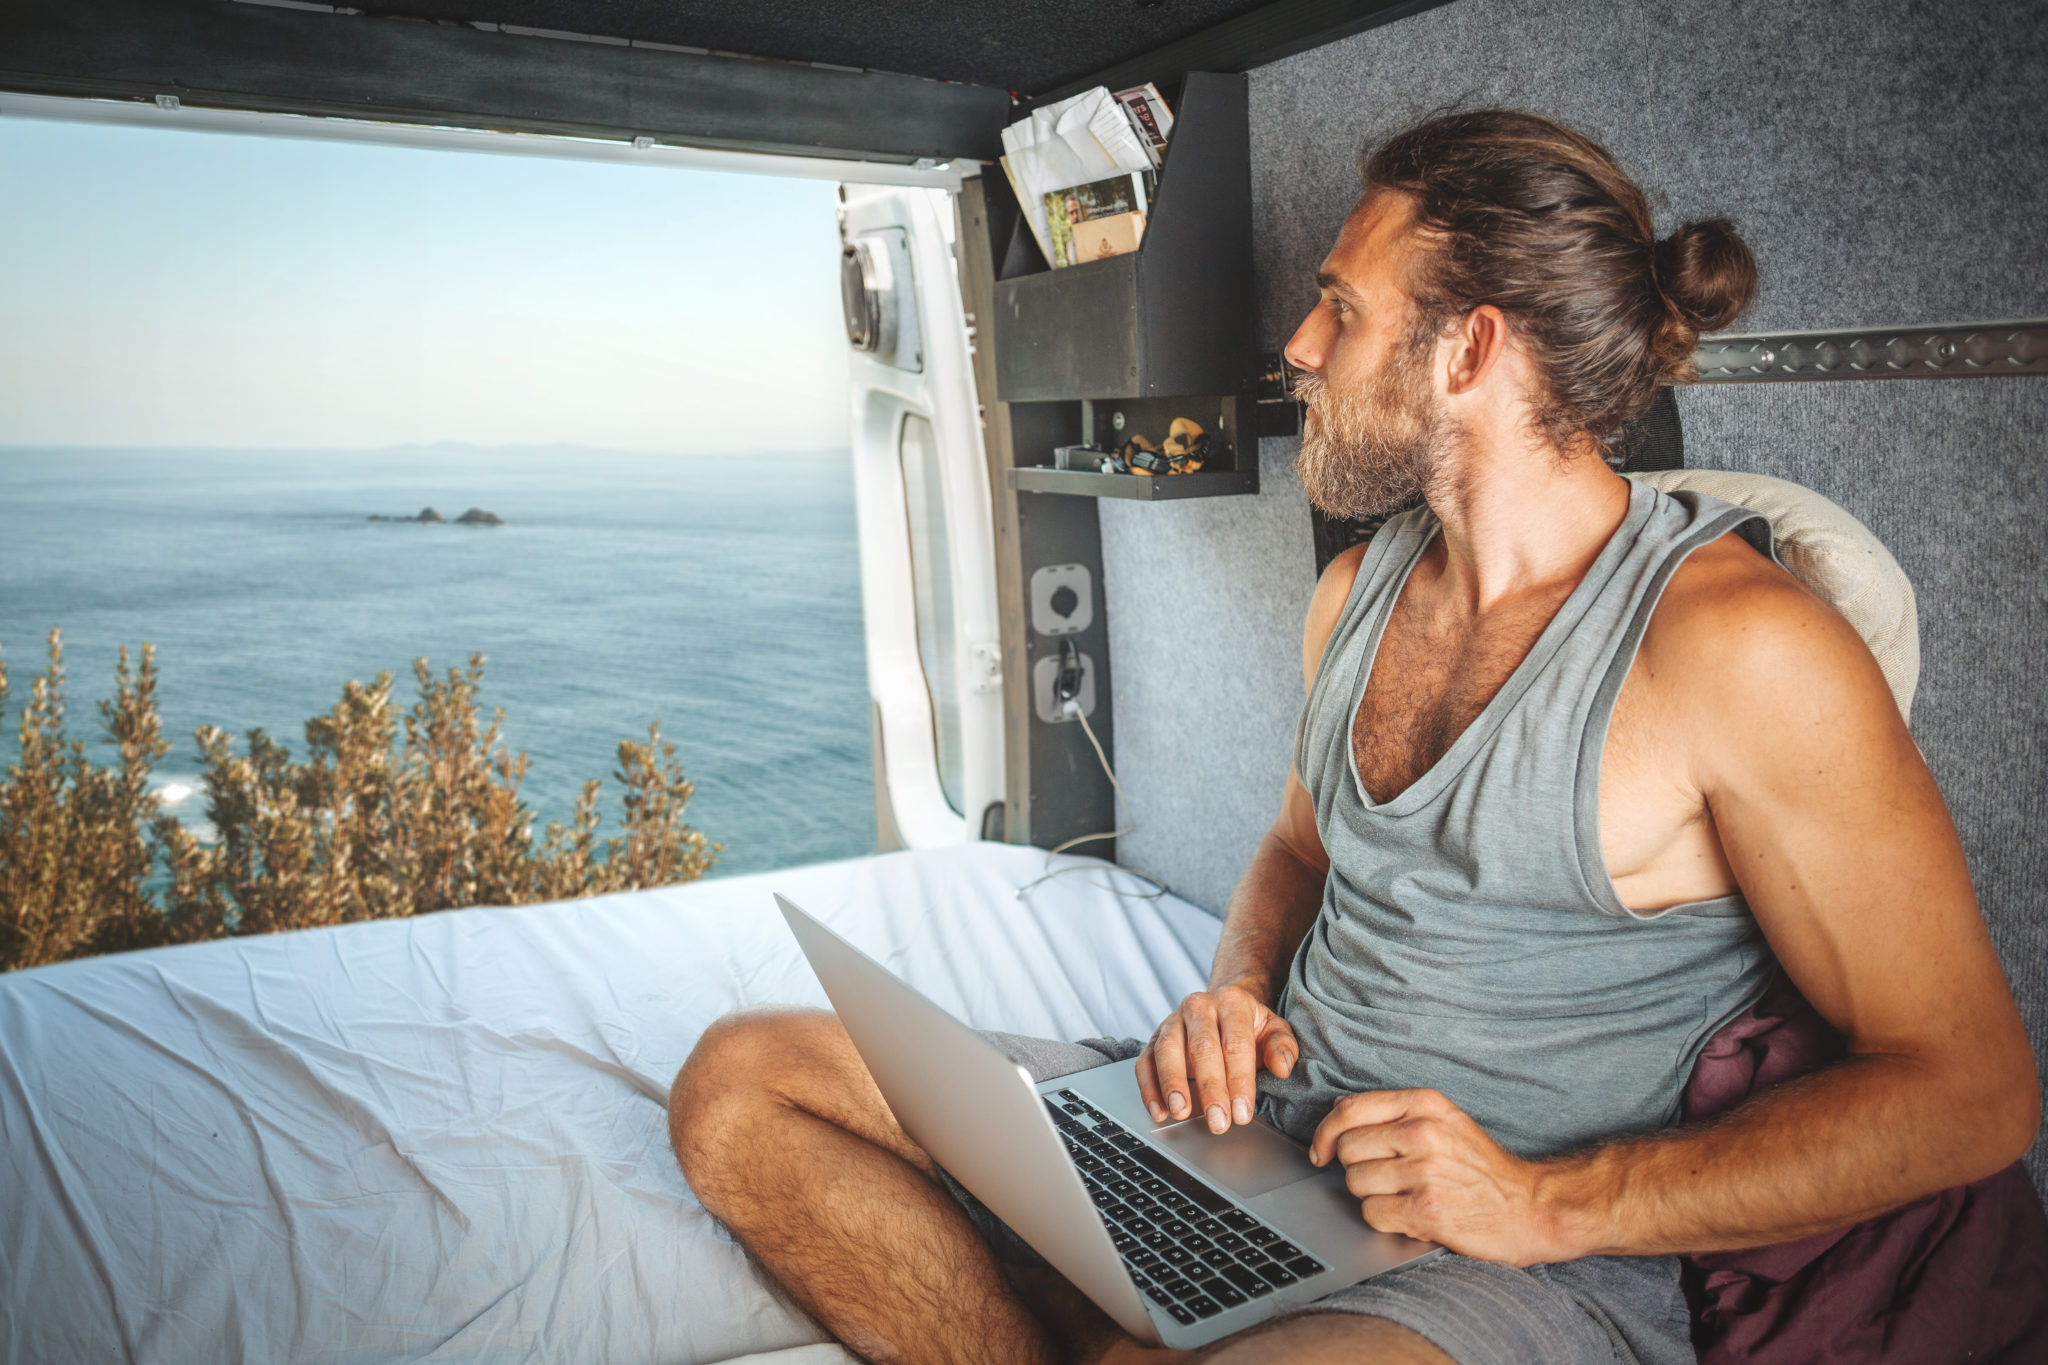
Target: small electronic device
1179,1234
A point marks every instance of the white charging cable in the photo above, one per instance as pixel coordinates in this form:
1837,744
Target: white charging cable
1070,709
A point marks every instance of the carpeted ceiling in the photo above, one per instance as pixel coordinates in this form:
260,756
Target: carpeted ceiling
1025,45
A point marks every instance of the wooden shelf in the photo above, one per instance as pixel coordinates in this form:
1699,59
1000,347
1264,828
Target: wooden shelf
1209,483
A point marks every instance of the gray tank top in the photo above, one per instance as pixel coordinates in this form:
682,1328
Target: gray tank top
1470,939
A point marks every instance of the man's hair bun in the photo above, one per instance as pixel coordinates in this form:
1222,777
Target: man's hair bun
1520,212
1707,273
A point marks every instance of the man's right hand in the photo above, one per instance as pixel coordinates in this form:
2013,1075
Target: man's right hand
1212,1048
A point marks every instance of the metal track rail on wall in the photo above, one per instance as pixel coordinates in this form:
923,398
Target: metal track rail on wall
1967,350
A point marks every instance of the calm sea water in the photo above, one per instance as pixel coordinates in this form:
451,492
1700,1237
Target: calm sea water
718,595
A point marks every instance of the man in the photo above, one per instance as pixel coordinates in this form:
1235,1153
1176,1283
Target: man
1579,773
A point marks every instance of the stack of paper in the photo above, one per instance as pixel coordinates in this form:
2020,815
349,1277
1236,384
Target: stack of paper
1075,142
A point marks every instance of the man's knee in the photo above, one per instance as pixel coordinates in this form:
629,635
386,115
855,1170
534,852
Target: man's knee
748,1070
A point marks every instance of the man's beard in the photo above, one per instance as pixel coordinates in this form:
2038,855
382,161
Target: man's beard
1371,451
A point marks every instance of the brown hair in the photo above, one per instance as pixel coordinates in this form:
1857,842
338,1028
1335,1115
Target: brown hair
1542,222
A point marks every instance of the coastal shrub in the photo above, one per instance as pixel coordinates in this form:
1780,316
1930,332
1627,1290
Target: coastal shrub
388,814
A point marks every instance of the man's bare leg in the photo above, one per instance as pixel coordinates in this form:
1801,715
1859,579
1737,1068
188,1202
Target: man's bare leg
783,1136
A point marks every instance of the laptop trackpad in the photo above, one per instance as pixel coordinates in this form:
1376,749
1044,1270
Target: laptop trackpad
1248,1160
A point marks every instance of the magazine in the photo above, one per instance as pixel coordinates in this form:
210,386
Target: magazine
1150,119
1082,140
1119,196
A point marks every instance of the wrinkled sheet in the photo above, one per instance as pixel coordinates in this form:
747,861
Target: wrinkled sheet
444,1138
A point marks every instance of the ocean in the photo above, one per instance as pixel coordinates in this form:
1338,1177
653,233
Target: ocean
719,595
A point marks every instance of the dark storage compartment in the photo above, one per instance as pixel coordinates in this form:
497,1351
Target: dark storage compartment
1176,316
1171,323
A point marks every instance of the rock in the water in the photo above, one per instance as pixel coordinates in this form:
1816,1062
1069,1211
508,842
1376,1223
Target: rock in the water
429,514
476,516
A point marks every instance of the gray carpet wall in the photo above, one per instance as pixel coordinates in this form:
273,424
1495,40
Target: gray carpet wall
1887,164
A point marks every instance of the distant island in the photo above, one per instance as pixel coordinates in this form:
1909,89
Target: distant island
475,516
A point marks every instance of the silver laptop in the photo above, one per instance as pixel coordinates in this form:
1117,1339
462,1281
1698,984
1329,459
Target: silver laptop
1178,1234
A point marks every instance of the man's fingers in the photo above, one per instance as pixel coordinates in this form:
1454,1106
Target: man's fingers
1396,1176
1169,1061
1205,1061
1148,1086
1240,1059
1370,1108
1381,1141
1277,1048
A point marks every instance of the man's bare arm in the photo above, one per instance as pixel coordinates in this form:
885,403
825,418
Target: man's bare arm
1845,852
1205,1057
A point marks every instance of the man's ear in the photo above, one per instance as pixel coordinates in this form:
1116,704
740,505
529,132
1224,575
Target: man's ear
1476,346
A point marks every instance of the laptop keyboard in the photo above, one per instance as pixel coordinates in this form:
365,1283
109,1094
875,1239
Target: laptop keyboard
1191,1249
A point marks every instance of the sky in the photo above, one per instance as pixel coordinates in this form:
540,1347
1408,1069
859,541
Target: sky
164,288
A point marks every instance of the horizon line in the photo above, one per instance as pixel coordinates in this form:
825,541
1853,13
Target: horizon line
405,446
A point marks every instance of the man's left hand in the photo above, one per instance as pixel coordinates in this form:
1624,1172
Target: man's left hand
1420,1166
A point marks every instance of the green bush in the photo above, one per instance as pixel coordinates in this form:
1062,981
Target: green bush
387,815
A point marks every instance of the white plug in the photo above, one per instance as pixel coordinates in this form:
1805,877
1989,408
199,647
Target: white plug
1070,709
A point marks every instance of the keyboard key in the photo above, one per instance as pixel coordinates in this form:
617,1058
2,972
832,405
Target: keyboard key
1237,1220
1208,1227
1180,1314
1261,1236
1283,1251
1278,1275
1229,1240
1194,1241
1123,1241
1141,1226
1158,1295
1176,1227
1305,1266
1218,1257
1070,1097
1147,1260
1157,1241
1175,1255
1246,1280
1130,1142
1145,1204
1177,1286
1223,1293
1123,1189
1204,1306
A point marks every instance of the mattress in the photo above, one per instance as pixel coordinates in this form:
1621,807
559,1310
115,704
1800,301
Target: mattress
444,1138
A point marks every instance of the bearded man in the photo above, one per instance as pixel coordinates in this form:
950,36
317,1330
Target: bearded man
1581,772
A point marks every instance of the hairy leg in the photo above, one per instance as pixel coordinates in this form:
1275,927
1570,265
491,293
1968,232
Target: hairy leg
782,1134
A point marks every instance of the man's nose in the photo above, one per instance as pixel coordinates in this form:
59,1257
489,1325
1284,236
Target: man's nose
1304,350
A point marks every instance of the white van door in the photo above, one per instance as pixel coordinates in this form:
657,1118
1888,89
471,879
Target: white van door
927,551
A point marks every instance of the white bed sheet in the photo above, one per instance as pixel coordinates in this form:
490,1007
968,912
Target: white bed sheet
444,1138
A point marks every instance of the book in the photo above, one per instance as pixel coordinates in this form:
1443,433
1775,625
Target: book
1117,196
1071,142
1100,238
1150,119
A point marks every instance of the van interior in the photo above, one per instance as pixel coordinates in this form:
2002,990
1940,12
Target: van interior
444,1138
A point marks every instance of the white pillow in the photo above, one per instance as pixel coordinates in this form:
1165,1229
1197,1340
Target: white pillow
1834,555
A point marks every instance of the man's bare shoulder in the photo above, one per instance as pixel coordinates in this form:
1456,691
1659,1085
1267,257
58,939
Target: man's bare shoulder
1333,590
1741,647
